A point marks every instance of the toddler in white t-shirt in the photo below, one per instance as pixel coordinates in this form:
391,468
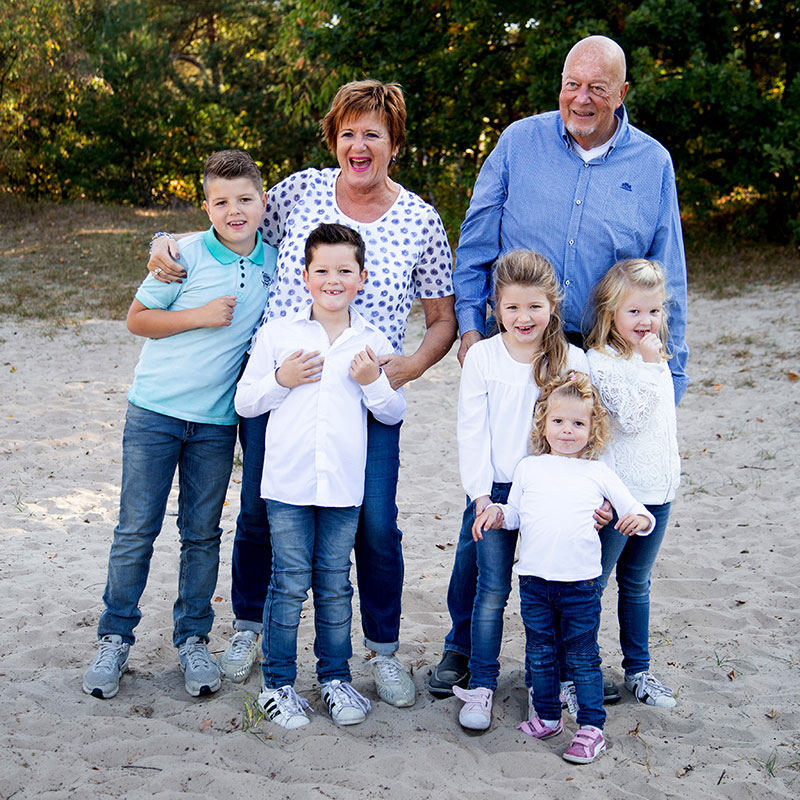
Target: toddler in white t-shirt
554,494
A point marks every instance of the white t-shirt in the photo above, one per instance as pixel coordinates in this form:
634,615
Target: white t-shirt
317,432
407,252
495,412
552,501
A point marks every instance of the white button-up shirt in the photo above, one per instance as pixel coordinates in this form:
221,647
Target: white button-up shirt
316,444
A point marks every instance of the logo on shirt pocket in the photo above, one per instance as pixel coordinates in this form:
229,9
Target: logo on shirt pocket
626,186
266,280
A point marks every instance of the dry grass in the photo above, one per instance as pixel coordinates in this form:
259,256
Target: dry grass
63,262
76,261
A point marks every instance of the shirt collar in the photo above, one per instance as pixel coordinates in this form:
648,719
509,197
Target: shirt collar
615,141
225,256
357,323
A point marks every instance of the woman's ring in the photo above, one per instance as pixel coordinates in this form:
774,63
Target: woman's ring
157,271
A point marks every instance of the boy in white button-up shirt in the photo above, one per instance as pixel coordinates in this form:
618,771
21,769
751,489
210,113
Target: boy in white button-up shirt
317,373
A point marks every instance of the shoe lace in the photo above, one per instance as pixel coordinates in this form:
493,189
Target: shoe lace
344,695
652,686
197,656
240,646
569,697
289,702
388,668
108,654
474,699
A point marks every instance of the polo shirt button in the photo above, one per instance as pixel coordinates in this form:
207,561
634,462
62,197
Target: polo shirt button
241,286
577,202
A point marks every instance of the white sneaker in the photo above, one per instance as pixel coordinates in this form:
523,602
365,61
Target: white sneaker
392,682
569,698
476,715
649,690
345,705
200,671
102,678
239,656
284,707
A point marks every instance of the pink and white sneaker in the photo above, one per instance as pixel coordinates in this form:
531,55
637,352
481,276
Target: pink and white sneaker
476,715
586,745
538,729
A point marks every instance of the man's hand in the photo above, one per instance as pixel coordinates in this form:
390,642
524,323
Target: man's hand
400,370
467,340
364,368
299,368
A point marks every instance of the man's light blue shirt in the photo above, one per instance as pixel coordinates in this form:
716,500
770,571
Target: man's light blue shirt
534,192
192,375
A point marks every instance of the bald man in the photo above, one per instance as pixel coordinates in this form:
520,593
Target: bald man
586,189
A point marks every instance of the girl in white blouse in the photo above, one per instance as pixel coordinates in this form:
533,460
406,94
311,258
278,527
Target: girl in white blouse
628,363
499,386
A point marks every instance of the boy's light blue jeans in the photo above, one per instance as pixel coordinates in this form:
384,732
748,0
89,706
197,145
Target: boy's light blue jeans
153,445
311,549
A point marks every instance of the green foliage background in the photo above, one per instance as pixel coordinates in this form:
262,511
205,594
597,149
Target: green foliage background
121,100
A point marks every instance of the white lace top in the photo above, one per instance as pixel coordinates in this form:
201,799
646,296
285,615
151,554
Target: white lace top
407,252
641,403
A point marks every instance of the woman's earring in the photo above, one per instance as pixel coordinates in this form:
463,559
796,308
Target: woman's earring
394,159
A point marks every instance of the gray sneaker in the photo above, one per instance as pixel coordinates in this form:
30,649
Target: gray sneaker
239,656
392,682
102,678
200,671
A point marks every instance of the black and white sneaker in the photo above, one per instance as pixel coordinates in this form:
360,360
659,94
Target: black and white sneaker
284,707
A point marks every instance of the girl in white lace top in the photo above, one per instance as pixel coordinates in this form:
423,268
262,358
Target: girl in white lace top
628,363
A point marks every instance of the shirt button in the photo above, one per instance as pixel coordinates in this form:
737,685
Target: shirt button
577,202
566,282
585,164
572,241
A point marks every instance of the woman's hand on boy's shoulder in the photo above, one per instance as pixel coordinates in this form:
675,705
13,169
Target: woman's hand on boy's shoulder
164,257
300,368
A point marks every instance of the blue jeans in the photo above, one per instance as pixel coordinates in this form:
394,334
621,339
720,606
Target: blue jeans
633,557
311,549
480,584
153,445
252,551
570,609
379,554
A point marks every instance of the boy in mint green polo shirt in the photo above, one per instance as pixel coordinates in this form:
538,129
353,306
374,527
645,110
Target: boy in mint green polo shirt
181,415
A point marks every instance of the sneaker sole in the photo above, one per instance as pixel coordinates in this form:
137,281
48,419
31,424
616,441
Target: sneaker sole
204,690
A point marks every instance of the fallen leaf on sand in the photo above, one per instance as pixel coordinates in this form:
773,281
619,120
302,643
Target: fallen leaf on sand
731,675
441,546
793,376
717,387
772,713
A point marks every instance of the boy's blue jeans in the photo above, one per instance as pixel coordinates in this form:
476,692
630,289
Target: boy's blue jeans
480,584
311,549
633,557
153,445
573,609
378,549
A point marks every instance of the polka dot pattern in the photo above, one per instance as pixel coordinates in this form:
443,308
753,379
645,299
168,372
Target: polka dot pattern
407,252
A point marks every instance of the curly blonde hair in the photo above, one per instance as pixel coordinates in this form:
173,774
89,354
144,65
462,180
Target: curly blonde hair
609,295
577,385
531,269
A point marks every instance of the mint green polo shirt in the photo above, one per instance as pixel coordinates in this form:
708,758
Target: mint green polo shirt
192,375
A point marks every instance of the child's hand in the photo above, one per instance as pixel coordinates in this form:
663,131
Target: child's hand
218,313
365,368
650,348
300,368
603,515
630,524
492,517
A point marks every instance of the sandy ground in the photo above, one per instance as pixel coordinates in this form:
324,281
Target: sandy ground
725,629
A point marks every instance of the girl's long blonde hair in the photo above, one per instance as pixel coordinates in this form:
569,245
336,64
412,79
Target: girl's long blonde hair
609,295
531,269
579,386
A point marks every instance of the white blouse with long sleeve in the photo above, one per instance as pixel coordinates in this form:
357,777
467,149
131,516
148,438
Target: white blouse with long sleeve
495,411
641,403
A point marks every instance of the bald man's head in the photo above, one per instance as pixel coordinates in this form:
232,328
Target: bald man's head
592,88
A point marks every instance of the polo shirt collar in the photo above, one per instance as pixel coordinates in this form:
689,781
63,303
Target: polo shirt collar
225,256
619,137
